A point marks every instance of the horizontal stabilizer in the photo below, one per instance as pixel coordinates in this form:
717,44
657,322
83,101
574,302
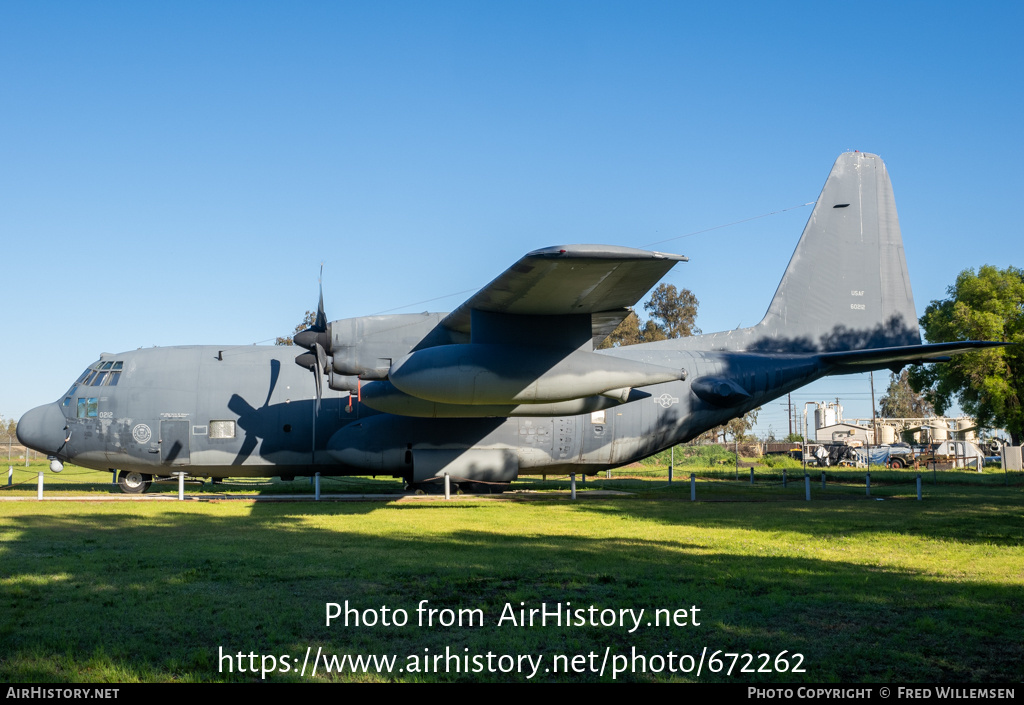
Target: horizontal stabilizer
906,354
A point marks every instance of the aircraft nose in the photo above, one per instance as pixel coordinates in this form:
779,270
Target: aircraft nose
42,429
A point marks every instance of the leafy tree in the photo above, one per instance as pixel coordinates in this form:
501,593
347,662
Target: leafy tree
674,311
8,434
737,429
626,333
901,401
989,384
672,315
307,321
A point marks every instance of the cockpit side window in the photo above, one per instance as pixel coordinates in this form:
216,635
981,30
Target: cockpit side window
87,408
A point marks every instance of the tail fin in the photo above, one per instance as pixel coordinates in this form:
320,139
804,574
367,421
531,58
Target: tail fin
846,286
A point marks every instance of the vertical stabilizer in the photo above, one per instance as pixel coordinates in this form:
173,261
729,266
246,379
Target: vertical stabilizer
846,286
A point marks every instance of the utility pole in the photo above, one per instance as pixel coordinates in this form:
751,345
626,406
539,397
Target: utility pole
874,419
789,397
874,416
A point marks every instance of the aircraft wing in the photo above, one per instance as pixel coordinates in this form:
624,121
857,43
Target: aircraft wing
601,280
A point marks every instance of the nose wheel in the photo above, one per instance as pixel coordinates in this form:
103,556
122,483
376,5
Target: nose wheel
132,482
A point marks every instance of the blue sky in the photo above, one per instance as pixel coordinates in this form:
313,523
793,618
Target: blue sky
175,172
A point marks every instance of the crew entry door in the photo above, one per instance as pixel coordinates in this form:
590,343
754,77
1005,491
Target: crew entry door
174,440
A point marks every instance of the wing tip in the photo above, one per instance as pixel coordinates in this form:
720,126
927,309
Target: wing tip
603,252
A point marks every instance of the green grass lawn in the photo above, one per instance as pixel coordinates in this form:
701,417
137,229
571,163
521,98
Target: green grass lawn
864,590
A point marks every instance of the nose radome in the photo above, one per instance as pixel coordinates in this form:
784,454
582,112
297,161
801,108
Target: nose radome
42,429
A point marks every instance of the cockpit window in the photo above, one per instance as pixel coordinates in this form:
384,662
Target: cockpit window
107,373
87,408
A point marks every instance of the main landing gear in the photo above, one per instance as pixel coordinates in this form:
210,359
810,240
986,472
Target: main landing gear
436,486
133,482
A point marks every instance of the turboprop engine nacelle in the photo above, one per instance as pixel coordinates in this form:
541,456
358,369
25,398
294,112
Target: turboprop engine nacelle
507,374
366,346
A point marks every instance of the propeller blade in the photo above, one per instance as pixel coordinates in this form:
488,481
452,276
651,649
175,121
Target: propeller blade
321,358
315,339
320,324
319,387
316,334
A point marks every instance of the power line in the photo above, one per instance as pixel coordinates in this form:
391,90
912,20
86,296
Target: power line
726,225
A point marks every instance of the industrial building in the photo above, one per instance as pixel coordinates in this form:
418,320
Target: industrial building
829,426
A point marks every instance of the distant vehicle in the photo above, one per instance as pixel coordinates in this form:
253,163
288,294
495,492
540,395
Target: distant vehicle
901,455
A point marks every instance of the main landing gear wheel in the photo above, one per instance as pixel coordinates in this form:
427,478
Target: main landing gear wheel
132,482
427,487
484,487
436,486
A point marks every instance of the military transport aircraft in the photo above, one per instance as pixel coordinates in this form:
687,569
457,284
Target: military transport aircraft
510,382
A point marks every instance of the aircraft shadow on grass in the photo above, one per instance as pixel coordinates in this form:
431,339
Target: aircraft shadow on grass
157,596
